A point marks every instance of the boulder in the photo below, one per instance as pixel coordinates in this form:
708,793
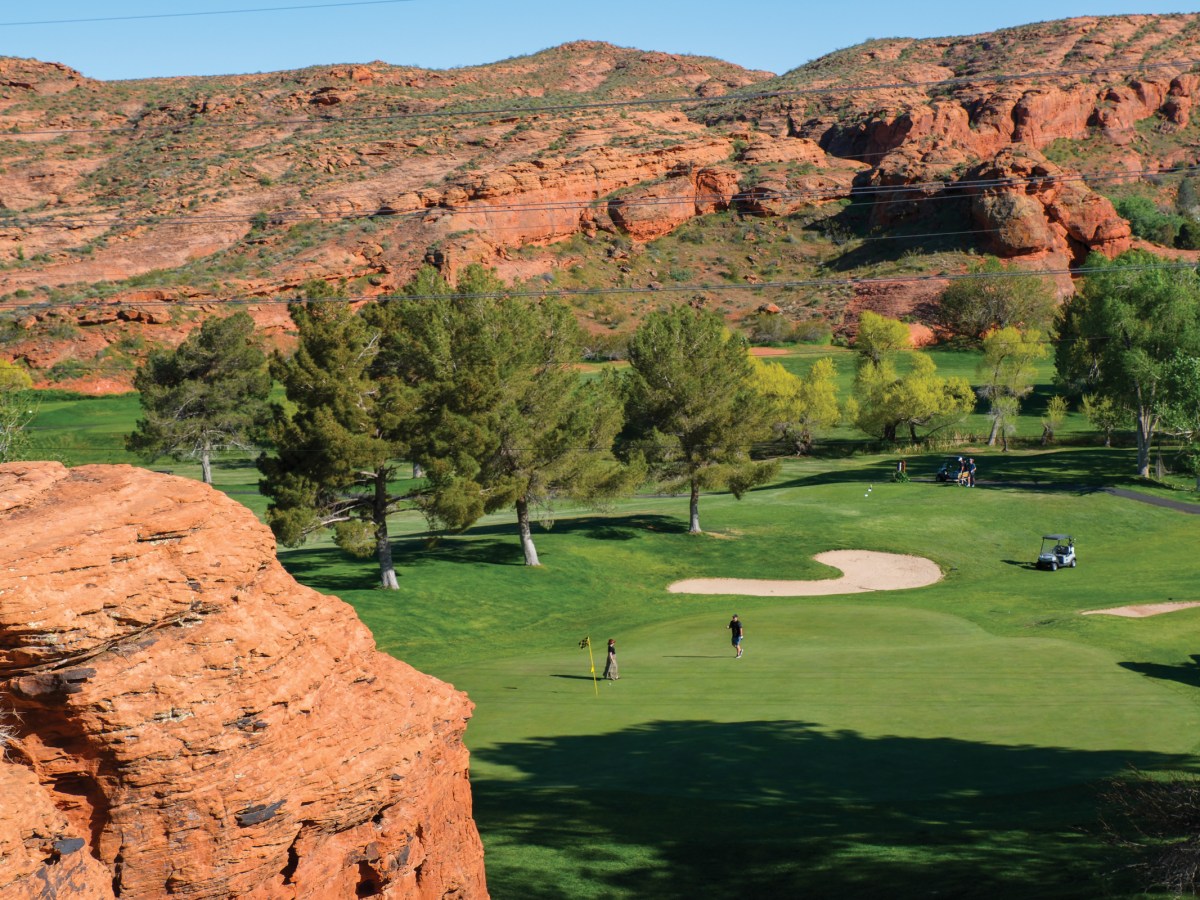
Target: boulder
189,720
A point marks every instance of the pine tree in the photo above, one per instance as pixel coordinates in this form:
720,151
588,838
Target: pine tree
692,410
503,418
208,394
338,450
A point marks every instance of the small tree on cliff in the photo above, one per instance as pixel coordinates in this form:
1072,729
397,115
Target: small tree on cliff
208,394
336,451
15,409
996,295
1121,331
501,416
692,410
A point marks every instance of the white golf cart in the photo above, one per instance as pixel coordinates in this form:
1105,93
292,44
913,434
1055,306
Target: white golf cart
1057,550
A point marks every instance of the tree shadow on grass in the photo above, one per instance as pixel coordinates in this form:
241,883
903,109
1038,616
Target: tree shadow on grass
1184,673
781,808
333,570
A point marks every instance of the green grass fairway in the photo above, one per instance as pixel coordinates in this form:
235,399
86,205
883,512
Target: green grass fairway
943,741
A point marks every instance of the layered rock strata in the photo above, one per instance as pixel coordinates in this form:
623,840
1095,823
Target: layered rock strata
187,719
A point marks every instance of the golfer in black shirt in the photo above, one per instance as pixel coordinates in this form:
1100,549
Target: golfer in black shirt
735,634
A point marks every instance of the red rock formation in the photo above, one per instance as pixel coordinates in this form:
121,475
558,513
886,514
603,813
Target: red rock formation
1033,207
191,721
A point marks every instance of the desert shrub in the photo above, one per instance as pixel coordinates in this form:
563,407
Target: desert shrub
1149,222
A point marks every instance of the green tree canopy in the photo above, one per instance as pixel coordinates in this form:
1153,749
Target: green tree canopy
1007,374
996,295
208,394
502,416
337,449
1118,334
692,410
799,407
880,337
887,402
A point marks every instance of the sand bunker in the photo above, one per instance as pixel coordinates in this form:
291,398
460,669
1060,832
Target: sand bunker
862,571
1143,610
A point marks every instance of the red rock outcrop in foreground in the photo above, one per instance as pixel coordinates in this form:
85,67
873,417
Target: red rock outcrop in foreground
192,721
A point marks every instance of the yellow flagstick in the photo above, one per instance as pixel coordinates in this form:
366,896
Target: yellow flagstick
587,642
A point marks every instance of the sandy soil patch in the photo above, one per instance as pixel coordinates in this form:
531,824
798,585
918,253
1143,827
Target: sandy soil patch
1143,610
769,351
862,571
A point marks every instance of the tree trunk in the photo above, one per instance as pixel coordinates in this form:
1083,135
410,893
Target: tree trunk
694,509
206,466
1144,423
383,544
995,431
418,471
530,551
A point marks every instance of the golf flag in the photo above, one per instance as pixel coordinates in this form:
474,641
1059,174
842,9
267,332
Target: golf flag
587,642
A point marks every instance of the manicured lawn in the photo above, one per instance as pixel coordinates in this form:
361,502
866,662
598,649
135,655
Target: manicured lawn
948,740
943,740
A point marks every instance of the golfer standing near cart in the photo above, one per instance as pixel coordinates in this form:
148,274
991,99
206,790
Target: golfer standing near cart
735,634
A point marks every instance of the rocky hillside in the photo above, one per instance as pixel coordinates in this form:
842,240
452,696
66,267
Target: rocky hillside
129,209
181,718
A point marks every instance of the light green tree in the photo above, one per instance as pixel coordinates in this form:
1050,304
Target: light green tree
1007,373
16,410
503,419
1052,418
336,443
799,406
919,401
208,394
1105,415
691,406
887,401
879,337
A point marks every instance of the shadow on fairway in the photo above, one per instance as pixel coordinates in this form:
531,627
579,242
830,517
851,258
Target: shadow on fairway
778,809
1184,673
1019,563
326,568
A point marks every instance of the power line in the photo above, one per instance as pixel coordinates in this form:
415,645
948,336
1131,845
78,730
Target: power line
920,189
539,294
212,12
962,80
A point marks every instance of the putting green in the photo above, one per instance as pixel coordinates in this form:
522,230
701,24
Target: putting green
891,672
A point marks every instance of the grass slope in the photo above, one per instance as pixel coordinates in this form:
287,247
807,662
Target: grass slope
947,739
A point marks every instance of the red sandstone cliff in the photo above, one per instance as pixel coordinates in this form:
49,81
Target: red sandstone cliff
191,721
249,186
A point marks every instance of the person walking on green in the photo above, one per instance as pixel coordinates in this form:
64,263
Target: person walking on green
611,673
735,634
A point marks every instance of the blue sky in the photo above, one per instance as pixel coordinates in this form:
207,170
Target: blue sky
775,35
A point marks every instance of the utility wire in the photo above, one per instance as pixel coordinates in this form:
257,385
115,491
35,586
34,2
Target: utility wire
962,80
919,189
211,12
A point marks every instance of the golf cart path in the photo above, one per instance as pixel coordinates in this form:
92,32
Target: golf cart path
1182,506
862,571
1166,502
